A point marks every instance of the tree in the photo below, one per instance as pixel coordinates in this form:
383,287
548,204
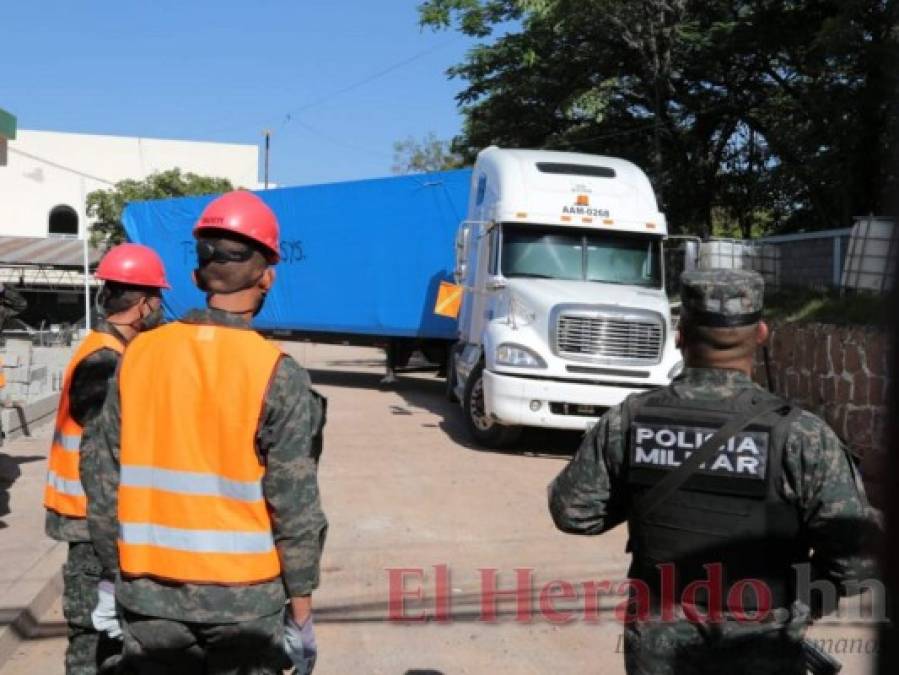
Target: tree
770,112
107,205
424,156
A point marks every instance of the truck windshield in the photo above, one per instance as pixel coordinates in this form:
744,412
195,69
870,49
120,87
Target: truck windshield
589,255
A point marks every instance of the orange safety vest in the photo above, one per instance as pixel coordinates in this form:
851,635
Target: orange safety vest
63,493
191,507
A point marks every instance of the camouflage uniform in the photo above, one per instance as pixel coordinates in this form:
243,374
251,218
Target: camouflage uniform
229,628
592,495
87,649
11,304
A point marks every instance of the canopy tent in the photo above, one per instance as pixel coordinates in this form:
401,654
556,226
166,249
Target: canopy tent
46,262
45,252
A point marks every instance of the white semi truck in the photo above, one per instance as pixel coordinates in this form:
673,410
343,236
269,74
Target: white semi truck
564,311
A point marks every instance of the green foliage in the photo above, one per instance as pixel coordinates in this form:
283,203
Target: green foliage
769,115
806,305
107,205
425,156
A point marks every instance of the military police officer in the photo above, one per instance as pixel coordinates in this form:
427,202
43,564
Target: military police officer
770,495
205,497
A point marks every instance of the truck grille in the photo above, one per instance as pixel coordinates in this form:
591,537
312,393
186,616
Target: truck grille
609,338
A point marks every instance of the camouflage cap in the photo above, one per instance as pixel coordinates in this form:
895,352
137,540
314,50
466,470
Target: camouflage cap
722,298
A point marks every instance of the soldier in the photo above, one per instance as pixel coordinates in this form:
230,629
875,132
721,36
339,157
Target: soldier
11,304
773,489
130,300
204,498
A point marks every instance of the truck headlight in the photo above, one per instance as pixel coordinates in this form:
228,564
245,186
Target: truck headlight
509,354
677,370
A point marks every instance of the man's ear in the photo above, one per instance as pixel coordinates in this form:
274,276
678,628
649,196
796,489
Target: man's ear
268,279
762,333
198,282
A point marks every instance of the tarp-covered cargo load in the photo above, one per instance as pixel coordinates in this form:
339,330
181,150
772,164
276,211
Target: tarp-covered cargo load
362,257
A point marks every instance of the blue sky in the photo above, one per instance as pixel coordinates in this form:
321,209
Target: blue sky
224,70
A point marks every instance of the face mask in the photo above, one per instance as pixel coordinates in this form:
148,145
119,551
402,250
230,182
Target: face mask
261,304
151,320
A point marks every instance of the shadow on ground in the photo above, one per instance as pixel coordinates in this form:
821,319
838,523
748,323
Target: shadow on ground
427,392
468,606
9,474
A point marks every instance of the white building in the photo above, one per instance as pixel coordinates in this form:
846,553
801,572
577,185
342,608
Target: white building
43,187
49,174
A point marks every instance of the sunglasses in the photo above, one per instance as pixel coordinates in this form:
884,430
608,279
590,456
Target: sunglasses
208,252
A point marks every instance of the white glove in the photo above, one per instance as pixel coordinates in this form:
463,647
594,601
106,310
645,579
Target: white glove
299,643
104,616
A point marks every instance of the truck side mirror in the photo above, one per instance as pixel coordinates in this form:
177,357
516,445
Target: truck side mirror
462,239
681,253
459,273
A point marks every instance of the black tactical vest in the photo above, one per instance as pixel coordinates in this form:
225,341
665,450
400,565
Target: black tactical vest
730,511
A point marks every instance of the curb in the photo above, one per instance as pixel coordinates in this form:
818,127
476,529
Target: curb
35,413
23,623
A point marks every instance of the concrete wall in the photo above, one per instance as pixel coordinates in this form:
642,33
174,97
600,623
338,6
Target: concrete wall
840,373
47,169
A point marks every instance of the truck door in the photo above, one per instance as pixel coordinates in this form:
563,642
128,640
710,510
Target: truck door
482,266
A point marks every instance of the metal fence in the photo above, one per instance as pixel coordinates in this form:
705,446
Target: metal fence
807,260
860,258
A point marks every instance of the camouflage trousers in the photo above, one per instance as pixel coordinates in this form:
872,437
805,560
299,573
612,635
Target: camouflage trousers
685,648
155,646
88,652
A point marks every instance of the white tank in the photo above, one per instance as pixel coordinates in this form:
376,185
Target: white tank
872,251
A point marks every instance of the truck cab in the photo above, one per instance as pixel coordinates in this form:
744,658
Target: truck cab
564,311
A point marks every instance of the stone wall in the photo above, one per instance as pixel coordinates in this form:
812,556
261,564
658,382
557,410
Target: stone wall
840,373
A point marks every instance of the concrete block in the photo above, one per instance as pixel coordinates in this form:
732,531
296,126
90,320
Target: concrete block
36,411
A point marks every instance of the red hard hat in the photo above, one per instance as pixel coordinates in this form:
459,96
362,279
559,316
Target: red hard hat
245,214
133,264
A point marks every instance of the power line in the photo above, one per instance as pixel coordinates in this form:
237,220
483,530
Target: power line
638,129
336,141
611,134
288,116
370,78
50,162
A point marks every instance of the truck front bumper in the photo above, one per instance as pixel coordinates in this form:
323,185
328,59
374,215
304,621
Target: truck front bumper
554,404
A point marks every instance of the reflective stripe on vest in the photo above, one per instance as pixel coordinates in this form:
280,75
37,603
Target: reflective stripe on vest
191,506
63,492
198,541
190,483
72,488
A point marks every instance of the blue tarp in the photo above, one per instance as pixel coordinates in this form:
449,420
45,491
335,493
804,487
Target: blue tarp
362,257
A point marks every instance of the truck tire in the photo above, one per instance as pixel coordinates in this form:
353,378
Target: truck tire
484,430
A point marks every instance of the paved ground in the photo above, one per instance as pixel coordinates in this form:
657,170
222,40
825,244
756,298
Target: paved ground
404,489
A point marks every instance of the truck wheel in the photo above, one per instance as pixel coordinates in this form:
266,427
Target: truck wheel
484,430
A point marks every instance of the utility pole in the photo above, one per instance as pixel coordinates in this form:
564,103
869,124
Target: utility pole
85,253
268,143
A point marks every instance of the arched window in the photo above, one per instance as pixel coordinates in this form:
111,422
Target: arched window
63,221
